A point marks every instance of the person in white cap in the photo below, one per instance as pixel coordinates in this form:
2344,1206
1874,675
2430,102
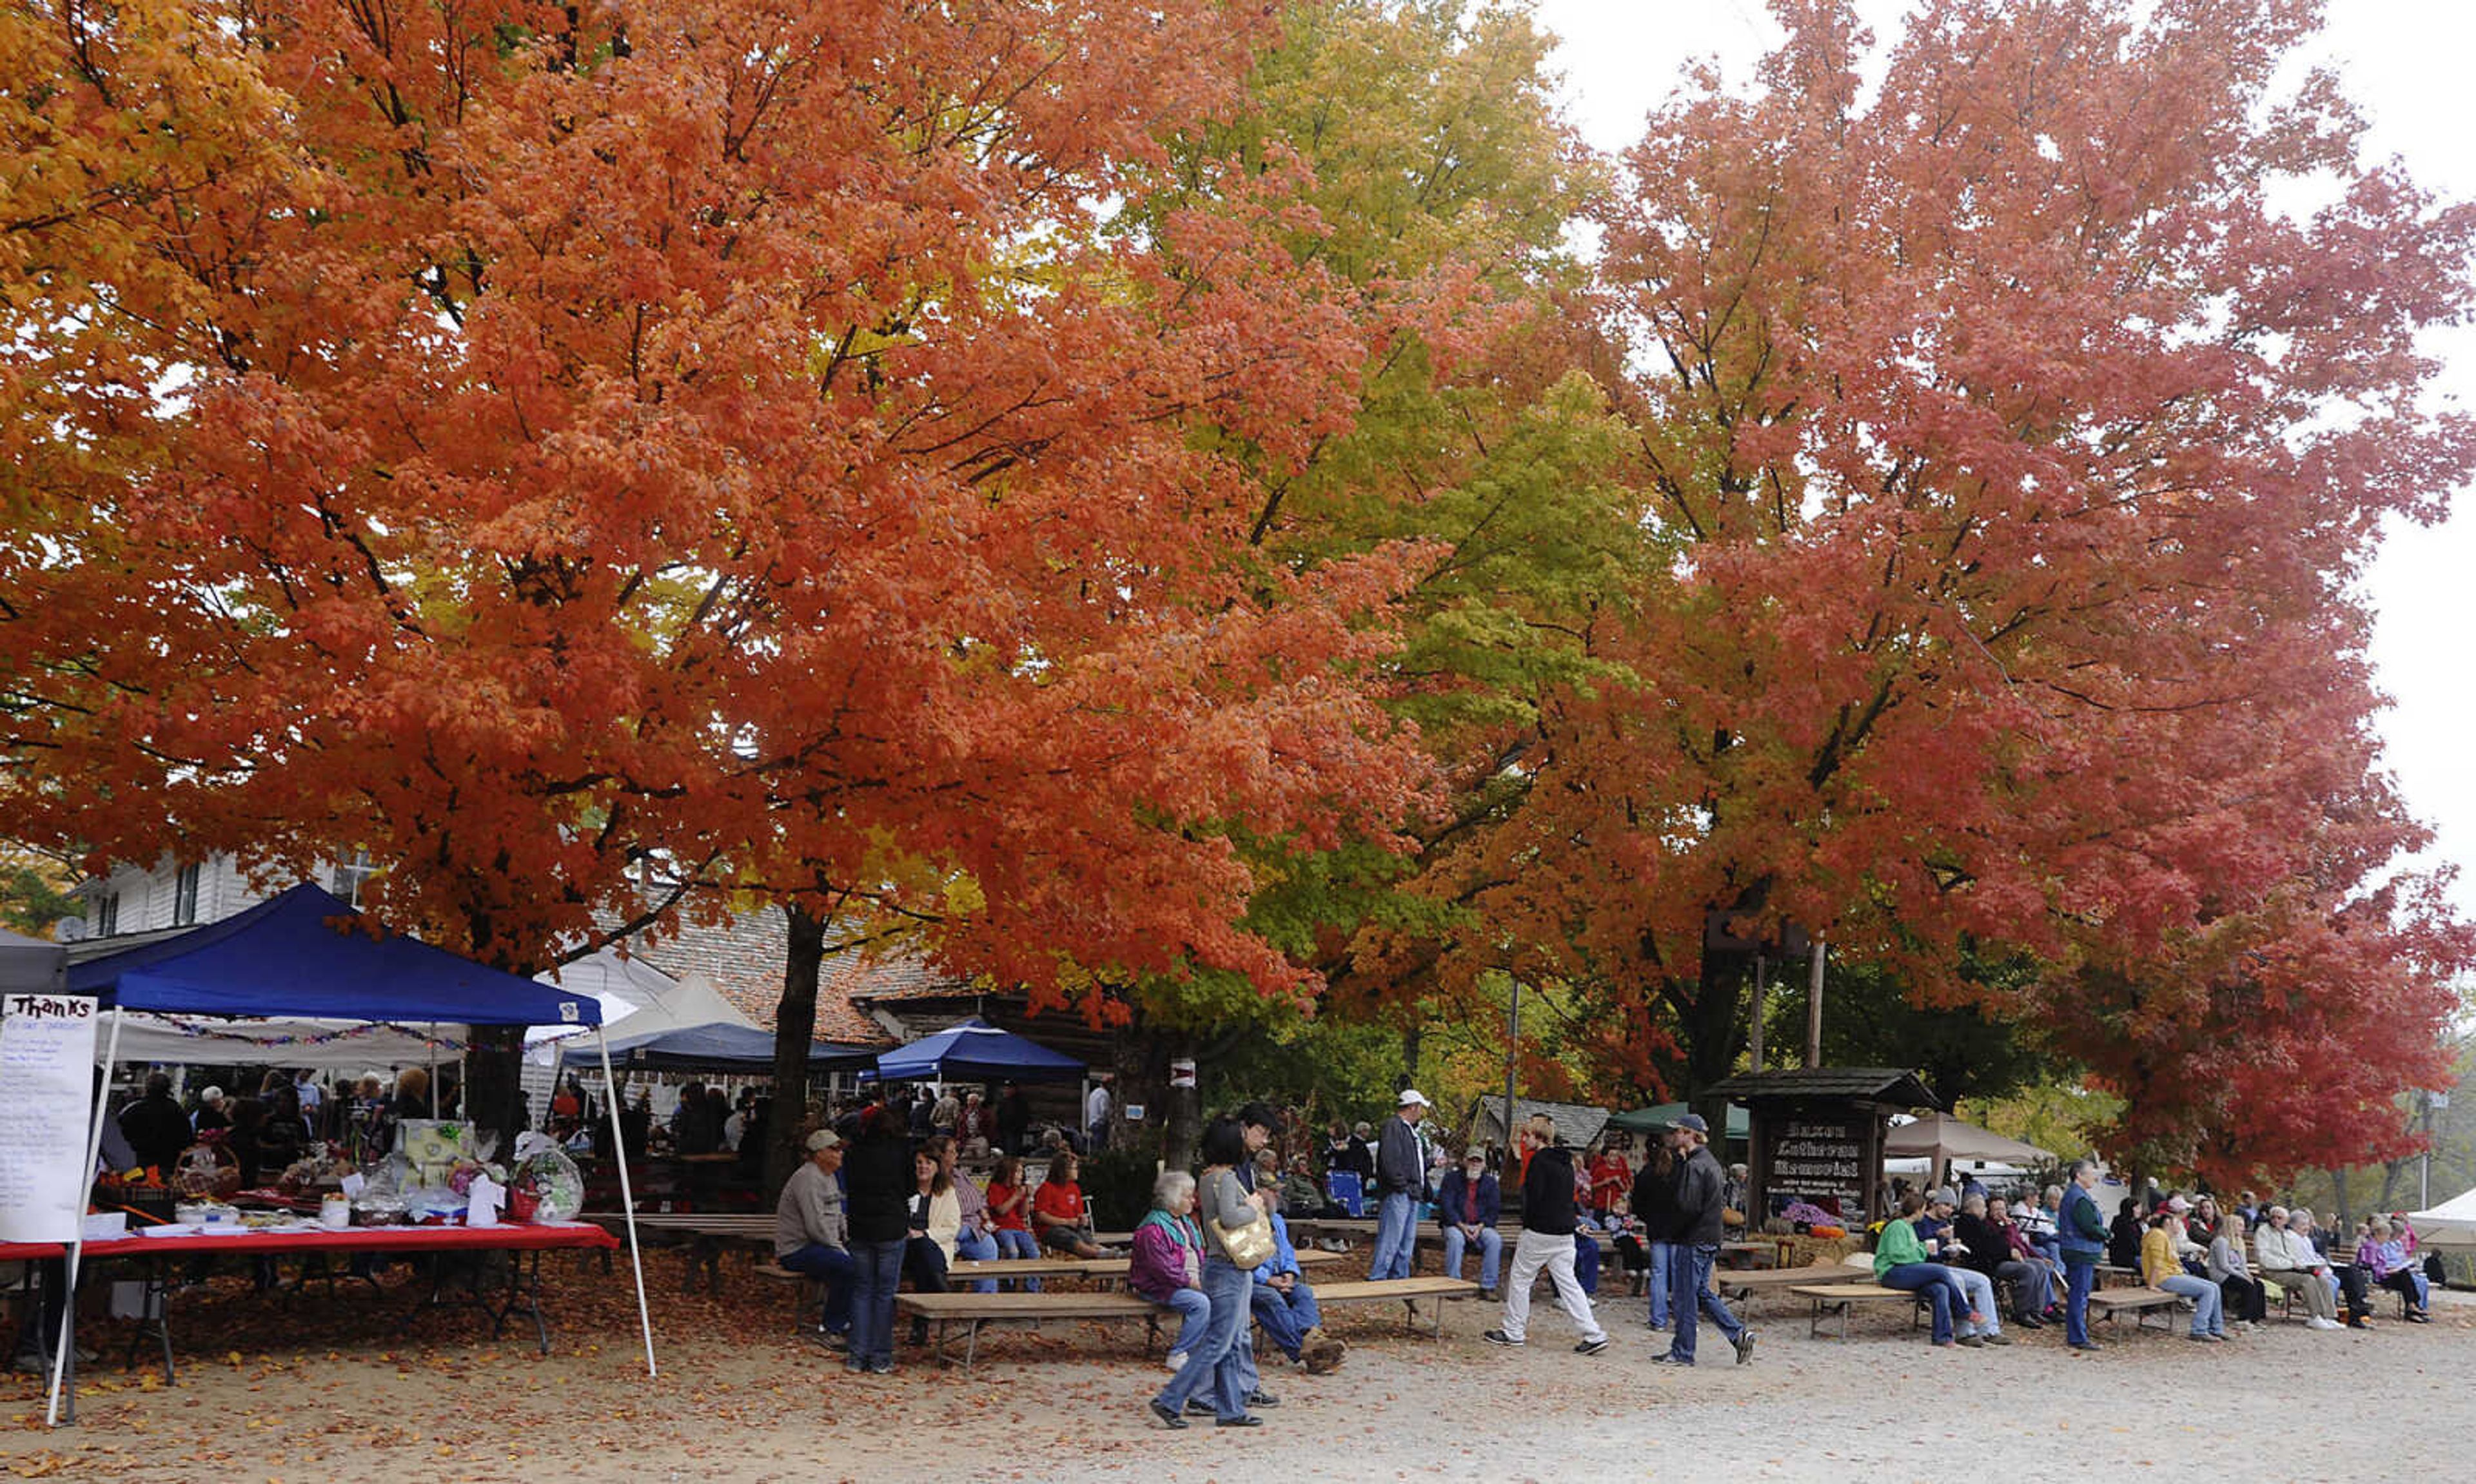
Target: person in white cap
811,1234
1399,1177
211,1112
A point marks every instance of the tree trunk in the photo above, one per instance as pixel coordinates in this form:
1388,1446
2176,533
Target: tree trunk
493,1093
1410,1040
795,1026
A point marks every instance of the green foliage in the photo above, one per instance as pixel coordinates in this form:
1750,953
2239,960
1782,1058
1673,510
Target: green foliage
1119,1179
1329,1067
1871,1018
34,896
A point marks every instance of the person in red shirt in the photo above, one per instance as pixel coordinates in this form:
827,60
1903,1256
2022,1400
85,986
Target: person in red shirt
1611,1179
1057,1210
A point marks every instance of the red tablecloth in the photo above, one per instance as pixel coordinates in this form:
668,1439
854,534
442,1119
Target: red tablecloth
356,1239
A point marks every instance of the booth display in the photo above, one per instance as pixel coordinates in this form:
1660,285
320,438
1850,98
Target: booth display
308,956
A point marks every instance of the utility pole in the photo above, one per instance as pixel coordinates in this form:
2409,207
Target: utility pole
1814,1007
1762,983
1512,1059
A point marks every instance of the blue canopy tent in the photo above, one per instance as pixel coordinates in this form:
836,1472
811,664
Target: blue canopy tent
726,1047
974,1051
305,953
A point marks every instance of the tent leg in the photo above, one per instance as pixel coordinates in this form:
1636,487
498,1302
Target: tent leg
77,1245
626,1197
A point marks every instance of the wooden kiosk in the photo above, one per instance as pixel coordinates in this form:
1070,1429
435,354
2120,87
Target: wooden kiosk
1818,1134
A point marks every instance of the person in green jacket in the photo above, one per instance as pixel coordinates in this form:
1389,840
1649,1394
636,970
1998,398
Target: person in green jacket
1900,1262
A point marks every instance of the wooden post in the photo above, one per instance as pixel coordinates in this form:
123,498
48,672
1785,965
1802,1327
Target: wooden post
1754,1038
1814,1007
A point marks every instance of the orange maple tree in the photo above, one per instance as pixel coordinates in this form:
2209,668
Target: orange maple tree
2013,452
549,446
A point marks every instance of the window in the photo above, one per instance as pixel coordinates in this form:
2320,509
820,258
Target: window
106,917
184,897
344,879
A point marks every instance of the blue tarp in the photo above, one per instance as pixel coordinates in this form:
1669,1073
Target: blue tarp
976,1051
725,1048
286,956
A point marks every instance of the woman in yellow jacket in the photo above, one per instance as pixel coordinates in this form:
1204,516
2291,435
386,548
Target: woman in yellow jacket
2160,1267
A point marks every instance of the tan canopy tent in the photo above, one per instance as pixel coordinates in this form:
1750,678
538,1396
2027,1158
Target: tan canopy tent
1941,1138
2451,1223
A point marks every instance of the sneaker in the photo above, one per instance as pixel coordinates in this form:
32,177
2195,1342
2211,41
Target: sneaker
1970,1342
1487,1295
2316,1321
2202,1339
1670,1358
1259,1398
1995,1337
1167,1414
1744,1346
1591,1346
880,1367
1197,1407
2086,1345
856,1366
1499,1337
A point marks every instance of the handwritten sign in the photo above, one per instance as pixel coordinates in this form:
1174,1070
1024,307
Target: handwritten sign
46,1097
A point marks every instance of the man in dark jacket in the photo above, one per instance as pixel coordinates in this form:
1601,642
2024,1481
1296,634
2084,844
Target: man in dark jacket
1546,1241
1700,1196
1401,1179
1467,1207
155,1128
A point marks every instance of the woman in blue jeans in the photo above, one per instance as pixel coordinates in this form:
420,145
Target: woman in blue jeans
877,1179
1654,1206
1223,1203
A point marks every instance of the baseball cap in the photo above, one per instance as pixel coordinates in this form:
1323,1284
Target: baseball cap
211,1094
1474,1158
2178,1204
1939,1196
1692,1123
1411,1096
823,1139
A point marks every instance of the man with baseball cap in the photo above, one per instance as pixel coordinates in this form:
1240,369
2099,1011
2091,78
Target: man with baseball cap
809,1233
1401,1175
1699,1194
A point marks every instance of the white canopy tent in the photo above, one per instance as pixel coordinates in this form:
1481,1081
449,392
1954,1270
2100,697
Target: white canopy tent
1938,1138
2451,1223
649,1001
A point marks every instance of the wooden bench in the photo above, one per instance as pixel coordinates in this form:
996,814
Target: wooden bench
973,1310
1406,1292
1745,1286
1840,1297
2142,1301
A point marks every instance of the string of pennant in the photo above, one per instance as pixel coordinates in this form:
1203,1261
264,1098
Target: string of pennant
223,1032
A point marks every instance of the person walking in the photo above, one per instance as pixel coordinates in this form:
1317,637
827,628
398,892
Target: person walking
1400,1177
2081,1237
879,1178
1699,1200
1225,1209
1546,1241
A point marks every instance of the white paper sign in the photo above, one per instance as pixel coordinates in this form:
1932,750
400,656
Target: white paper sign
47,1099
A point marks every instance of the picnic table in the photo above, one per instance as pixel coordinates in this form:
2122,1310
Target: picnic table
522,1292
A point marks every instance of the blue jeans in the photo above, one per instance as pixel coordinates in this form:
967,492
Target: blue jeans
833,1266
1586,1263
1490,1253
976,1247
1286,1317
1214,1359
876,1267
1932,1280
2209,1305
1013,1244
1690,1294
1663,1266
1194,1317
1396,1233
2079,1277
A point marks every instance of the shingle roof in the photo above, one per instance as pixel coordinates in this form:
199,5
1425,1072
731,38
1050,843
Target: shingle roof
1576,1124
1893,1086
744,961
857,977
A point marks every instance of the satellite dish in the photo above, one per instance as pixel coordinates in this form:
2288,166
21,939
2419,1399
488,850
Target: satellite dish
69,930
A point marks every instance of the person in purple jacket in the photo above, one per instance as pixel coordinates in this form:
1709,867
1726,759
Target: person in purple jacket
1167,1264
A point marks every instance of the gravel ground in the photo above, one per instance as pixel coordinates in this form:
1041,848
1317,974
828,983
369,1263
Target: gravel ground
740,1400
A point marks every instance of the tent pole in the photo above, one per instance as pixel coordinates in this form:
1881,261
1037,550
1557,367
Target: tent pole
626,1197
77,1244
433,1069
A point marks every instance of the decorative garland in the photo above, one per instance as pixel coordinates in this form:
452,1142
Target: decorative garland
221,1030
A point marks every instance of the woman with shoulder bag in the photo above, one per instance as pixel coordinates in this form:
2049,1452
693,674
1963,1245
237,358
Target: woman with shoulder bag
1237,1237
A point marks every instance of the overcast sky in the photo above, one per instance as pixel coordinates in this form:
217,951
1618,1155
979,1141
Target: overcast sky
2406,62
